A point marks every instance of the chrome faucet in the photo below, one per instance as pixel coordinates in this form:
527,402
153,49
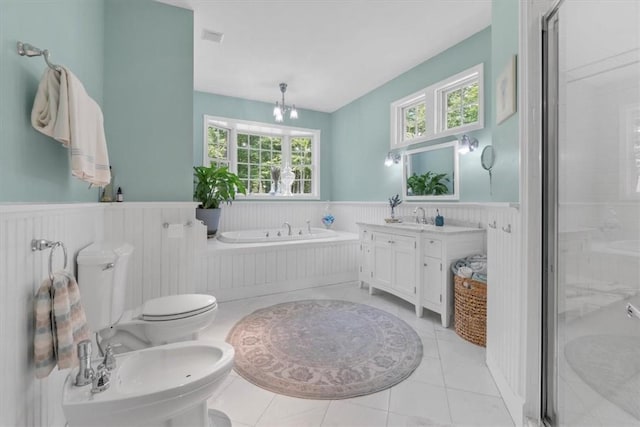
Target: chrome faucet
288,228
422,220
85,373
309,226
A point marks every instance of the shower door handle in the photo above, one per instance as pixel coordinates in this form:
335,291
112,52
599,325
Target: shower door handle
632,311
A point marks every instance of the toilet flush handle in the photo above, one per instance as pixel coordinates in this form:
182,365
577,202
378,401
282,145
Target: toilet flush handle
108,266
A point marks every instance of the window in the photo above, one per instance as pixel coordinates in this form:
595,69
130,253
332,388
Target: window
451,106
414,122
217,145
258,152
459,103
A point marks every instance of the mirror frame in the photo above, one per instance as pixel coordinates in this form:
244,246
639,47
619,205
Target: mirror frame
456,173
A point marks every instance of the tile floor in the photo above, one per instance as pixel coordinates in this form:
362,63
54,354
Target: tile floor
452,385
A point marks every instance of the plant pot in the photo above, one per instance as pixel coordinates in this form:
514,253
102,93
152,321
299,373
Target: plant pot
211,218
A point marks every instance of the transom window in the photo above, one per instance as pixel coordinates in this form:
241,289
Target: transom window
451,106
414,122
259,153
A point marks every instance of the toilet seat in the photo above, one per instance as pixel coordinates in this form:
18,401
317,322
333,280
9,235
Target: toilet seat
177,307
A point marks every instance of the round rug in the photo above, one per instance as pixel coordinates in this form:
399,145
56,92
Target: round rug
324,349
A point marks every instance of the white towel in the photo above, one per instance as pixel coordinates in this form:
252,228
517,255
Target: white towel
63,110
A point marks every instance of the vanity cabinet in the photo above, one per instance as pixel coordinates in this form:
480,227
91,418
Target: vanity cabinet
413,262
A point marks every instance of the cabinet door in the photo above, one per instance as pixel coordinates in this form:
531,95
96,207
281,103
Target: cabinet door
382,262
404,267
432,286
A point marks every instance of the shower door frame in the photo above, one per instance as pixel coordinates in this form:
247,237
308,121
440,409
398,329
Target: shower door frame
549,327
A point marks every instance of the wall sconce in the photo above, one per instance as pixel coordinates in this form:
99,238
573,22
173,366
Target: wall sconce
392,159
467,144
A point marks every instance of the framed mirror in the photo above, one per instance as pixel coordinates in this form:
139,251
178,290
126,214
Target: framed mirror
431,173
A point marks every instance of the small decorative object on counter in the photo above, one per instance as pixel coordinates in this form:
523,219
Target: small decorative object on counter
119,195
275,180
287,179
439,219
394,202
107,192
327,218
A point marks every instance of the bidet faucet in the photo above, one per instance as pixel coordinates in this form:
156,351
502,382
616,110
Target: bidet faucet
423,220
85,373
288,228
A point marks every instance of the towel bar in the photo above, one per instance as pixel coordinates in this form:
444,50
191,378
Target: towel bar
26,49
42,244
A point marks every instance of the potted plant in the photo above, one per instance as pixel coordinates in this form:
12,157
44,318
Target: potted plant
428,184
214,185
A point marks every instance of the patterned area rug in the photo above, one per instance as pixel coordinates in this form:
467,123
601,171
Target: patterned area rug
324,349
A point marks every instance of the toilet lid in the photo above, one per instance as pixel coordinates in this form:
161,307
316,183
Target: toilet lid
177,306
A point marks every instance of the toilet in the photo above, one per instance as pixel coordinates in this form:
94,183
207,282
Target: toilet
102,273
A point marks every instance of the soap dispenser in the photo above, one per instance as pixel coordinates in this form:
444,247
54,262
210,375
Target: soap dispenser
439,219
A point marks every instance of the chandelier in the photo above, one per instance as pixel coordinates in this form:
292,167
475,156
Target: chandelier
281,109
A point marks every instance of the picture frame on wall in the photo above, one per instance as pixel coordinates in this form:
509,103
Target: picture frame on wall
506,91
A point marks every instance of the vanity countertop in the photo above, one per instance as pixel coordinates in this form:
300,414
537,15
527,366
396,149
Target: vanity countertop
422,228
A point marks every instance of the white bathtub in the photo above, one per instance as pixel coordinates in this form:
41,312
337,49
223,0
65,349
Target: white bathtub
275,235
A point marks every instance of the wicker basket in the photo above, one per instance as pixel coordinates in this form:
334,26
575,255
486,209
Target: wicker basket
471,310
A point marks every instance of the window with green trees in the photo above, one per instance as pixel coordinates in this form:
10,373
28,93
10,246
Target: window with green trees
448,107
258,152
217,145
462,104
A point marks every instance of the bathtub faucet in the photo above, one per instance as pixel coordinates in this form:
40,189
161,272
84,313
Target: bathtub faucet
288,228
309,226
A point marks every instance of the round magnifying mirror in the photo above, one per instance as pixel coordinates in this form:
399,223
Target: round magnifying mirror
488,157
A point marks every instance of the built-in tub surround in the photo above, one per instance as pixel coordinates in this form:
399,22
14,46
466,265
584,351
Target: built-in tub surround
240,270
285,234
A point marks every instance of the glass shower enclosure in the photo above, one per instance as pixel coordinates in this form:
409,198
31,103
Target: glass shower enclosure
591,161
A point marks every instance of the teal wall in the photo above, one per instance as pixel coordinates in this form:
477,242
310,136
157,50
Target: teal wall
237,108
504,44
361,129
148,93
34,167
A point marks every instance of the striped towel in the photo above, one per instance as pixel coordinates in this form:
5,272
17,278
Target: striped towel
63,110
60,324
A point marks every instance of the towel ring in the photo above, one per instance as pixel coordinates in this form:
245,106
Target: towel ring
42,244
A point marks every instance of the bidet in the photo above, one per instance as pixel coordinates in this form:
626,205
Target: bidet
160,386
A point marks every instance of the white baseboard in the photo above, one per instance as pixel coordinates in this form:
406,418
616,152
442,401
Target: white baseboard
513,402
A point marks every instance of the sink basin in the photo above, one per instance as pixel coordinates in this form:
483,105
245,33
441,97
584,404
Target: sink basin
152,386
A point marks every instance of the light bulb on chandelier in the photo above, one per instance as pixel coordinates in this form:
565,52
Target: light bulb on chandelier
281,109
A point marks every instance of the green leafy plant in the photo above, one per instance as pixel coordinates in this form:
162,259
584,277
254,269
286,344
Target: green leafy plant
214,185
429,184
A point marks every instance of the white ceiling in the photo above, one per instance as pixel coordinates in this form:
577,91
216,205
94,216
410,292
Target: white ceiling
329,52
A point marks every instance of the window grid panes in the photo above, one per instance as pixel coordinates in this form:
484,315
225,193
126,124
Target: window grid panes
462,105
256,155
414,122
218,145
302,165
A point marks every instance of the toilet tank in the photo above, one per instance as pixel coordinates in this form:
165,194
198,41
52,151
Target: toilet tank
102,277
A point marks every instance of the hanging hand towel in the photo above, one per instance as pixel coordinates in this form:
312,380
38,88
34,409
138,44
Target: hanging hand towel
63,110
60,324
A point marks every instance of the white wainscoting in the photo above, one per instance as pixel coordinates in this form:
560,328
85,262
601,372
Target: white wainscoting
160,265
164,266
230,272
506,336
25,401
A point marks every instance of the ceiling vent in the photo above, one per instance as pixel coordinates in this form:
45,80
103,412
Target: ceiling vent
212,36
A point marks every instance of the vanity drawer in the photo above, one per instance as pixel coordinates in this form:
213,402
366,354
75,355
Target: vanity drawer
395,240
432,248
